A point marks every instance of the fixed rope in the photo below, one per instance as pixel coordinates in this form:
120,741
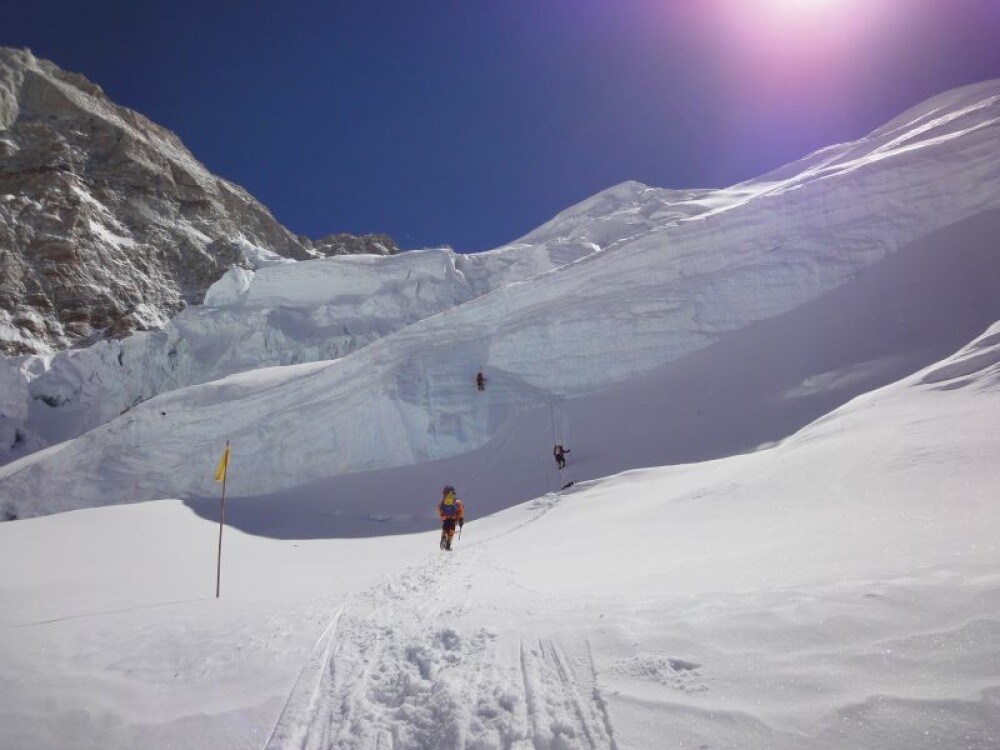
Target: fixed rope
560,436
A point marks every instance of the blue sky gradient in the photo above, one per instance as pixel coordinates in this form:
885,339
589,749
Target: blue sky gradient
470,122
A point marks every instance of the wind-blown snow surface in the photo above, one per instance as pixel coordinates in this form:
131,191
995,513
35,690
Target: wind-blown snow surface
630,281
838,590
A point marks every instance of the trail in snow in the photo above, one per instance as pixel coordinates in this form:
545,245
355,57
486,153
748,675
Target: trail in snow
411,663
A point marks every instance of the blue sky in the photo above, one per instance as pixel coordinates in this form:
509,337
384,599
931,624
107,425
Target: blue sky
470,122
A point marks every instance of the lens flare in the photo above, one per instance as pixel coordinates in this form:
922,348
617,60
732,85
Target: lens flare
805,6
794,38
811,27
792,66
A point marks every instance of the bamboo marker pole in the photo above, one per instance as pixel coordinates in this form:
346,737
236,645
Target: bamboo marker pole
222,517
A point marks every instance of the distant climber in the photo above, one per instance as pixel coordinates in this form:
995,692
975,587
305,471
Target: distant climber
560,453
480,381
452,513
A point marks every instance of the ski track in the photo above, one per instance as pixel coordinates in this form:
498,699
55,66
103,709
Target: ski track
402,666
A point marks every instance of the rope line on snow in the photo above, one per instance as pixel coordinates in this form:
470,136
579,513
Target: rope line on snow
491,456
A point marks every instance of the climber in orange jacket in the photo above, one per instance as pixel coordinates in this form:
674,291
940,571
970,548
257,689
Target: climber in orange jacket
452,513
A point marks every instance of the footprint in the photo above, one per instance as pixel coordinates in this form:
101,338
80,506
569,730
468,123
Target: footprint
679,674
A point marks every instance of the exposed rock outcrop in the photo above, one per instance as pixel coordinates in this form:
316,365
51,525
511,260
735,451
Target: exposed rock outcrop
349,244
108,224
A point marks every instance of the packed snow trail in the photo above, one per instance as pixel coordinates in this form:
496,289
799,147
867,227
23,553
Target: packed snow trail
411,663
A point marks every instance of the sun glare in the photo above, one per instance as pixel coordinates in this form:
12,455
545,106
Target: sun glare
804,27
794,58
812,14
804,5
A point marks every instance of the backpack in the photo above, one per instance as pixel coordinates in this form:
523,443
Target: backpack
449,507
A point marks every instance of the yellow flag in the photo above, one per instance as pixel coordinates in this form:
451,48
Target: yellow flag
220,473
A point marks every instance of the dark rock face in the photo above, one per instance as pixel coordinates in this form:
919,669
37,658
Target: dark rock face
108,224
349,244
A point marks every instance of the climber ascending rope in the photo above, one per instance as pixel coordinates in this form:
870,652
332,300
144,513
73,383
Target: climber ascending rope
560,451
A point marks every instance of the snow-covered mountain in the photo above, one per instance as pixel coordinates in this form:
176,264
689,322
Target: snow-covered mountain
108,224
853,239
814,354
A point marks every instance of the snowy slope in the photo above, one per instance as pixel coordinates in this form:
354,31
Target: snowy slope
835,586
837,590
276,313
269,311
246,324
703,277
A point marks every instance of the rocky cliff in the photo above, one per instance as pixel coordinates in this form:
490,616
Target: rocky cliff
108,224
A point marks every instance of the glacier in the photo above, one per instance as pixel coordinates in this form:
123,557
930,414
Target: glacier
336,366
